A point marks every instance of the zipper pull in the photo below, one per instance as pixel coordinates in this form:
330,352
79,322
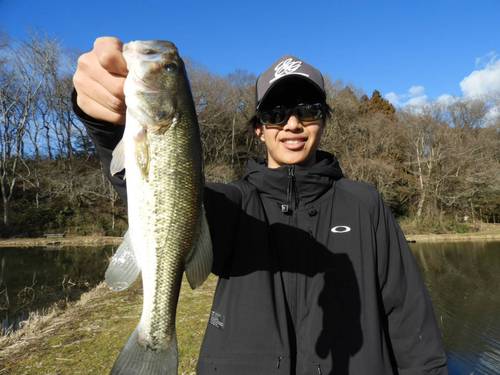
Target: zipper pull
319,368
279,362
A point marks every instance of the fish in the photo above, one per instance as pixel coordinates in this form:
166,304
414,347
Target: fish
168,234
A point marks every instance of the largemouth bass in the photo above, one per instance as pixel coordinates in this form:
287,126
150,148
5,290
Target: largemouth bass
168,232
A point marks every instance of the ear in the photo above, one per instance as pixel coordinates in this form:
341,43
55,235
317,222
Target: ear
260,132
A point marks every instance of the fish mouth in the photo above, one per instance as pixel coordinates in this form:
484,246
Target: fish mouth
143,88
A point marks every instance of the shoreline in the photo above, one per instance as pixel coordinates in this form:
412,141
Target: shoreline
64,241
105,240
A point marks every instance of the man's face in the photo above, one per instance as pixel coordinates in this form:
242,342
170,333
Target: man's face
294,142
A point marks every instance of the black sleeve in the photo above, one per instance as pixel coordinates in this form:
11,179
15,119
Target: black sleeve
412,326
223,207
105,137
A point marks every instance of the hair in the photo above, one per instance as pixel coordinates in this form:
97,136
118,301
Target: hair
327,115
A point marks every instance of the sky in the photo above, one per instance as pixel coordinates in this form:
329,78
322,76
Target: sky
411,51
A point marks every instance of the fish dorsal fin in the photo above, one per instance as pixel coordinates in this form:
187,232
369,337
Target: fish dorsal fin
199,261
123,268
118,160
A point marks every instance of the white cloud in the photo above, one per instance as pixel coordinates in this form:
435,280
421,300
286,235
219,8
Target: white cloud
414,96
392,98
493,115
417,101
484,81
447,99
416,90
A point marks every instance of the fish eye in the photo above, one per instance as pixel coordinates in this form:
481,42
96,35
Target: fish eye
170,67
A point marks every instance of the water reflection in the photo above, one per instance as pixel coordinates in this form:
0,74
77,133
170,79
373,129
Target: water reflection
36,278
463,279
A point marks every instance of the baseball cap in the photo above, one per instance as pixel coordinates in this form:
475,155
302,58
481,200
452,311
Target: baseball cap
284,68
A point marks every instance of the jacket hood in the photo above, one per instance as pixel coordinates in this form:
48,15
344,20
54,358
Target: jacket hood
302,184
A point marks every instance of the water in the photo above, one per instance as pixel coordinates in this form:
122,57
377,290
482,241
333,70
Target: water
33,279
463,279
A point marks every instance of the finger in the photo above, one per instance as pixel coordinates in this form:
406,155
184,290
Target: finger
109,53
89,69
98,111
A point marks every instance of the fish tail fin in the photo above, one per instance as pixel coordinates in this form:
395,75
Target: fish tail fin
136,359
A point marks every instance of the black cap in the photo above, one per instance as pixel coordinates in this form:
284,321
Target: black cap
285,67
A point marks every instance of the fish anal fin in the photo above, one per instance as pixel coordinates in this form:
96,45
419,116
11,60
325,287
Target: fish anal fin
123,268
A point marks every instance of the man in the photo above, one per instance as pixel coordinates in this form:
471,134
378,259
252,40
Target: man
315,275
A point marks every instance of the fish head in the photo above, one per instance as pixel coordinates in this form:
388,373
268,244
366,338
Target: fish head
155,74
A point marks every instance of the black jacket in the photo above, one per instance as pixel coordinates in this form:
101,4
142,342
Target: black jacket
315,275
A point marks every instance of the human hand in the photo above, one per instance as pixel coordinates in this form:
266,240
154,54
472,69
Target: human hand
99,80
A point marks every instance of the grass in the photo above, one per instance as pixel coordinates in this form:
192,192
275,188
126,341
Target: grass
87,337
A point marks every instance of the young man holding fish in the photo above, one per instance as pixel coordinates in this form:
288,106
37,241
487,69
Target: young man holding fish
315,273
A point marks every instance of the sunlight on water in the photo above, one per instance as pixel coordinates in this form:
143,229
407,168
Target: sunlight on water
463,279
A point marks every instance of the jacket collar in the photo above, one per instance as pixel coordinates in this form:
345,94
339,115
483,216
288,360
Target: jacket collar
303,185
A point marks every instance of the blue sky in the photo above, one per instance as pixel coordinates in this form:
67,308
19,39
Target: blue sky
408,50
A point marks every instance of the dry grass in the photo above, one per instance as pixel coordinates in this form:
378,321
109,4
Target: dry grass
88,336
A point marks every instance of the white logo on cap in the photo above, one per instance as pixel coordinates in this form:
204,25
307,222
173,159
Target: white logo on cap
287,67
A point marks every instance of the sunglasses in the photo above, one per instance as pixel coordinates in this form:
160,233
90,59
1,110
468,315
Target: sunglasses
279,115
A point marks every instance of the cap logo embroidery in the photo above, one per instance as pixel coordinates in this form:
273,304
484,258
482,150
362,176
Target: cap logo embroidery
286,67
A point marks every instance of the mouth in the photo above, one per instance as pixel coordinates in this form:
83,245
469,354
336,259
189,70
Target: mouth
294,144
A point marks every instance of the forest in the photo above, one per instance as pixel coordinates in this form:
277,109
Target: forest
437,164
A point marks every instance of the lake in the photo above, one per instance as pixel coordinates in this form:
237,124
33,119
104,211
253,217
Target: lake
463,279
37,278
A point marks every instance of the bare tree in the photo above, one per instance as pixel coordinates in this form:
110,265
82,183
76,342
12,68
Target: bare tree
22,76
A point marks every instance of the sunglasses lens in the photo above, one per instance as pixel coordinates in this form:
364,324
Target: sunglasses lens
309,112
275,116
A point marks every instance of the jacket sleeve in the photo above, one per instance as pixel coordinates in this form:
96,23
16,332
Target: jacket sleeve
223,207
410,321
105,136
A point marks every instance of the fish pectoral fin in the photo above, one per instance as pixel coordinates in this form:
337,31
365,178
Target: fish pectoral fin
123,268
199,261
118,160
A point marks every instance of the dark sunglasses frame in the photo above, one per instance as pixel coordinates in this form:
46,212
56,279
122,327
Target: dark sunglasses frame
303,111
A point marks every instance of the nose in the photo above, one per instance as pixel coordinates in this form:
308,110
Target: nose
292,124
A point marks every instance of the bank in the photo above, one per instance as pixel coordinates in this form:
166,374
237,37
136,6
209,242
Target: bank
87,336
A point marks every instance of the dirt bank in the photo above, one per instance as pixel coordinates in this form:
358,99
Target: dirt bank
64,241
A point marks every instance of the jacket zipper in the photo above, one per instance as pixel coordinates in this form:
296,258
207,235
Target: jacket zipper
293,198
291,191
